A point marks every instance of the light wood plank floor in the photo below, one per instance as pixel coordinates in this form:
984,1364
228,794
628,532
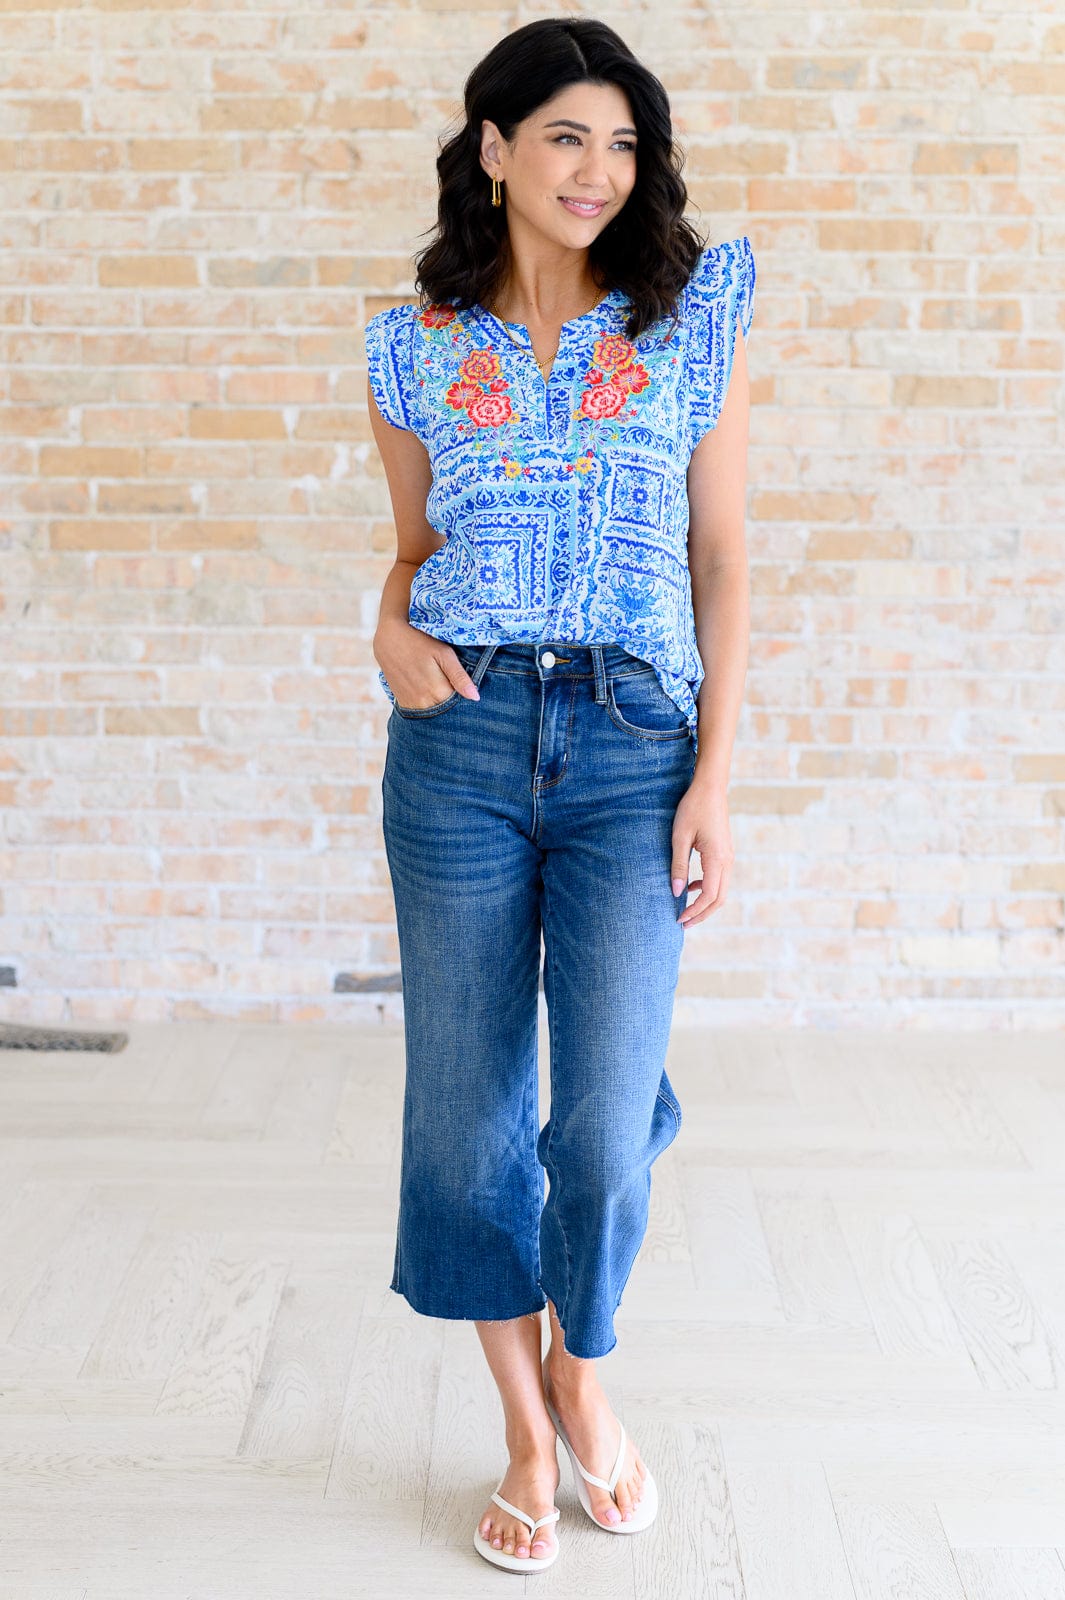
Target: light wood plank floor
842,1347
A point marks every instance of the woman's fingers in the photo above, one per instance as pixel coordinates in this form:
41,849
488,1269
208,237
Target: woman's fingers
455,677
714,885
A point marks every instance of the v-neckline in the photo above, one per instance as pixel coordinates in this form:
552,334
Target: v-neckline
609,300
607,303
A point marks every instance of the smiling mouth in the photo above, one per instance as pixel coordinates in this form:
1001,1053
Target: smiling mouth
585,205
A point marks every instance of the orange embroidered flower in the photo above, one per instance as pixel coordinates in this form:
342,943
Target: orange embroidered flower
480,390
612,351
480,365
436,316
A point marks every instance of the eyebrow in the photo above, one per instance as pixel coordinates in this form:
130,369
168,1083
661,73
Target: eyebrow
565,122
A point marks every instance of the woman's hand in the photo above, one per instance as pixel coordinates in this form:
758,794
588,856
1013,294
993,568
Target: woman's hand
701,823
419,669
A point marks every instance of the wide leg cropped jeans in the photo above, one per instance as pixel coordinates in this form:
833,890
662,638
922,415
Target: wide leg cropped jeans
542,810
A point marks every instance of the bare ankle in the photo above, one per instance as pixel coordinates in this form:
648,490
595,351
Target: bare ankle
569,1375
530,1444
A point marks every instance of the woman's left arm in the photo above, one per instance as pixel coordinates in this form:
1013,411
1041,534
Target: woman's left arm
717,560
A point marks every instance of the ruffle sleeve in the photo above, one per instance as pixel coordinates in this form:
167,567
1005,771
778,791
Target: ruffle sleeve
719,294
390,356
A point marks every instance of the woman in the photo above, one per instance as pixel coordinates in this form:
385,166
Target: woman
563,638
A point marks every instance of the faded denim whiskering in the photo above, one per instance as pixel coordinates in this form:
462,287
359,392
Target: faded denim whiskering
563,505
543,809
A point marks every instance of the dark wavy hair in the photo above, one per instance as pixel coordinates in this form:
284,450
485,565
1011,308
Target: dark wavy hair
648,250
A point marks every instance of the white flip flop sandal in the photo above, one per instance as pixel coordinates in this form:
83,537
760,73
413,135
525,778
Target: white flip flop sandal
647,1509
500,1558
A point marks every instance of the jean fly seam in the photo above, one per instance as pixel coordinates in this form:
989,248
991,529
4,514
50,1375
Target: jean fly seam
550,783
571,716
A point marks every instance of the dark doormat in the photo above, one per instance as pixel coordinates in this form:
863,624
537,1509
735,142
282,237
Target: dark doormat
13,1036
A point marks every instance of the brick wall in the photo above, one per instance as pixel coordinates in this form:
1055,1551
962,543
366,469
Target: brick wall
200,207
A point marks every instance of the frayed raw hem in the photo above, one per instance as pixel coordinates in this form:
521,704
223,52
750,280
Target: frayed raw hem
469,1316
589,1355
579,1355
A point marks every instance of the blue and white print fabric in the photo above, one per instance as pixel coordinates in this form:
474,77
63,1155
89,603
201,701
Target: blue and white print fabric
563,505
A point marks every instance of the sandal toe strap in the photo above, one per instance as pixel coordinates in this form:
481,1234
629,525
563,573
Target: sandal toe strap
619,1461
523,1516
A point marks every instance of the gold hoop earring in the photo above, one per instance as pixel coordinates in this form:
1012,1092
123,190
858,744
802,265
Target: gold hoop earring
497,193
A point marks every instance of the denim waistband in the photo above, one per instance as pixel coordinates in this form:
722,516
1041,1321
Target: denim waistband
571,660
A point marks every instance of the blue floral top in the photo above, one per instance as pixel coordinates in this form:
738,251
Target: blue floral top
563,504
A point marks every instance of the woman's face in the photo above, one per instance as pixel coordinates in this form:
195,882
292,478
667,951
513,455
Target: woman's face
579,145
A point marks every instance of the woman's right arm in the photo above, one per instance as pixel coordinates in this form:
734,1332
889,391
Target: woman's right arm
420,669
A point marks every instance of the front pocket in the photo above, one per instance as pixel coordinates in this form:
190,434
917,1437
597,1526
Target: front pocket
427,711
468,655
639,705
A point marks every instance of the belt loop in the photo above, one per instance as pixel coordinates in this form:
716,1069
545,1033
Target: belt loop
481,666
600,674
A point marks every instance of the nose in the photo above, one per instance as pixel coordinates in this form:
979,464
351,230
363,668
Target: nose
592,174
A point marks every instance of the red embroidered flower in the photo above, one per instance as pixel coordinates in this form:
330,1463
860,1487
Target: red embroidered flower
489,410
612,351
436,316
604,400
480,365
459,395
634,376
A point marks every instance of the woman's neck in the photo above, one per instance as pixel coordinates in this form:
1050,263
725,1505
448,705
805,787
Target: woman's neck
533,298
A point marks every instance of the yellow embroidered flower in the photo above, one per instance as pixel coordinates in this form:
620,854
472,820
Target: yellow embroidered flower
480,366
583,463
512,469
612,351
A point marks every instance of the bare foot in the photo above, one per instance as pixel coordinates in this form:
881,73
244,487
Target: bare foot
530,1483
594,1432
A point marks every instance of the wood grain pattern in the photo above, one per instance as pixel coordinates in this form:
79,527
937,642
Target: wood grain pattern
841,1349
